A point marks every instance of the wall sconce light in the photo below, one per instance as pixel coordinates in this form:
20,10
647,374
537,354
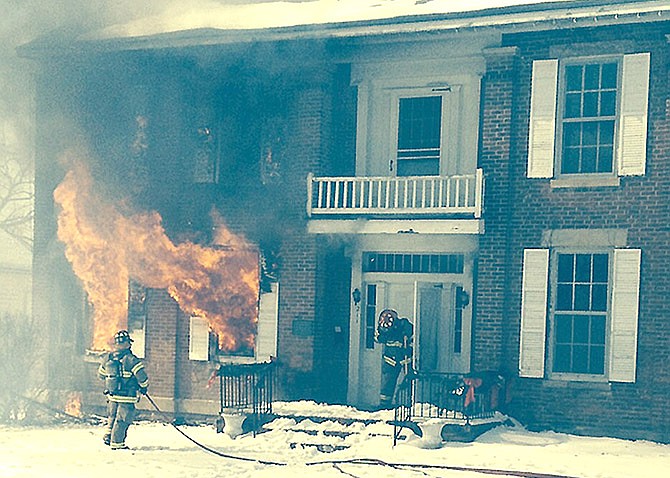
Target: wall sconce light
356,295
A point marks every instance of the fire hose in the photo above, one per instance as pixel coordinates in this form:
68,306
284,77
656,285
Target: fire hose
335,463
361,461
205,447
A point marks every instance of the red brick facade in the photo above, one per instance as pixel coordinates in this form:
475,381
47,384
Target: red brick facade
313,107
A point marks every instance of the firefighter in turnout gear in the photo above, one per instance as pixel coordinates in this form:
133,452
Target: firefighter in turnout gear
125,379
396,336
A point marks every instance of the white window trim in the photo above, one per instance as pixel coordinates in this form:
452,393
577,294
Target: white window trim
622,321
447,145
553,274
545,149
594,178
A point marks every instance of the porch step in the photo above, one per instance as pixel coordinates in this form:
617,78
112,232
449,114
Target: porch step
309,432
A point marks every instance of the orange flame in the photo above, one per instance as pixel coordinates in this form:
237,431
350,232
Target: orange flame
106,248
73,404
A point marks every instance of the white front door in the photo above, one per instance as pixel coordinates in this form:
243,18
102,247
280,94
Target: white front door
441,329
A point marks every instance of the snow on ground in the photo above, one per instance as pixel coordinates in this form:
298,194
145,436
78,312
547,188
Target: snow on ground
159,451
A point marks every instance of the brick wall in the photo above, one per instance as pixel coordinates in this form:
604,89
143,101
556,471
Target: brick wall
494,158
640,205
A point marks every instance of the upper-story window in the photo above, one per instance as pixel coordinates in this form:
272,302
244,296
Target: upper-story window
419,147
588,118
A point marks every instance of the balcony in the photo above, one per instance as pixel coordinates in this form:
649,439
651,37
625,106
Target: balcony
415,196
386,204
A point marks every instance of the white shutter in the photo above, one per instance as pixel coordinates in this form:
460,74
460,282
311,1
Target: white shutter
533,312
268,314
198,339
625,300
632,147
542,132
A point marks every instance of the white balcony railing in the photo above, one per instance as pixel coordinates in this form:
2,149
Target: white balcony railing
415,195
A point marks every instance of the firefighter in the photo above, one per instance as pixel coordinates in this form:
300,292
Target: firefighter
125,379
396,336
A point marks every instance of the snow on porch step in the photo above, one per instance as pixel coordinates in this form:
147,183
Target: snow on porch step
327,434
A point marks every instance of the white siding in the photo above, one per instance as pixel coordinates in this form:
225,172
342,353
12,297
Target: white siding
625,301
533,313
632,147
542,133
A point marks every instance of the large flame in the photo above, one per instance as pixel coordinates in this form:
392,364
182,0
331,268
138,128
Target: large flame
106,248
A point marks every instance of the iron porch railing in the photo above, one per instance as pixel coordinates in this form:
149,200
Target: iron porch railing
416,195
247,388
449,396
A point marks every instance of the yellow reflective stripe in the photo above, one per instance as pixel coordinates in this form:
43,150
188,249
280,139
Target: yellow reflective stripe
390,361
394,344
137,367
144,384
122,399
405,361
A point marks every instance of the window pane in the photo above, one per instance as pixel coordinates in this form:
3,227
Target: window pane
606,133
605,156
570,163
583,269
600,268
580,359
573,77
572,134
598,329
589,158
564,297
419,122
609,75
573,105
581,329
592,77
565,267
599,297
597,360
562,358
590,134
590,104
563,329
608,103
582,296
418,167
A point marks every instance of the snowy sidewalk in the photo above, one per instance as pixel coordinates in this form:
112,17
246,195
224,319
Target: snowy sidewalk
159,451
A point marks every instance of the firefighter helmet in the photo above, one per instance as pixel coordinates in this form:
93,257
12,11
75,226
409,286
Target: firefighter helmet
122,337
387,318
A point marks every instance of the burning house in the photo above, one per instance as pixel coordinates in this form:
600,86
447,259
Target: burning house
499,177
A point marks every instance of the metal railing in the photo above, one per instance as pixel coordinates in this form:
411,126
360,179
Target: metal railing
247,388
441,195
447,396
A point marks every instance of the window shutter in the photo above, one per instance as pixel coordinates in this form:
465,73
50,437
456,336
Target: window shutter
533,312
198,339
632,150
625,300
266,340
542,133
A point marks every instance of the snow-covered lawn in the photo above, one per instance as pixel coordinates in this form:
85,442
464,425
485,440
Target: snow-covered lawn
159,451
